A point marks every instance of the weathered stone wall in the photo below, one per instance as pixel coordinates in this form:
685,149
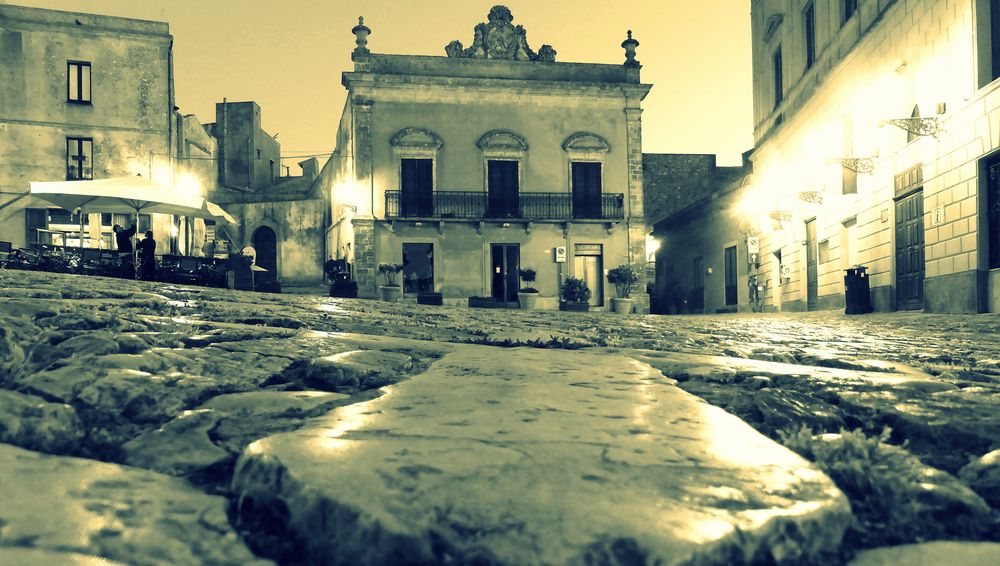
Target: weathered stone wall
129,119
887,59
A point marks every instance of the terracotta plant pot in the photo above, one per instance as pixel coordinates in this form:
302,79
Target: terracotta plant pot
622,306
391,294
528,300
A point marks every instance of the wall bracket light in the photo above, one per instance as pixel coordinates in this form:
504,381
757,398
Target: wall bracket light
814,197
859,164
916,126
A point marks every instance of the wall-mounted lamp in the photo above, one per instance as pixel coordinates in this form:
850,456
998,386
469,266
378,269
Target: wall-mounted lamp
813,197
859,164
916,126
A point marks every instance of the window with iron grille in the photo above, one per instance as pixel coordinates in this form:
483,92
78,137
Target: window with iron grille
78,82
79,159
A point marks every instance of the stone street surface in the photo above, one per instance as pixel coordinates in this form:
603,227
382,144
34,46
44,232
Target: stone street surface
144,423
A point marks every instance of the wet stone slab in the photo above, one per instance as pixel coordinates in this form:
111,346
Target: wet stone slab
83,508
542,457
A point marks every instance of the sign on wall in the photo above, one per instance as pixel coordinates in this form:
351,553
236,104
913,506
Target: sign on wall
753,245
786,271
560,254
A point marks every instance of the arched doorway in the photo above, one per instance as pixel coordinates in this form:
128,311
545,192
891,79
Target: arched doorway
266,244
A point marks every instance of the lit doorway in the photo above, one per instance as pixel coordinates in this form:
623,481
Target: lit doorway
588,264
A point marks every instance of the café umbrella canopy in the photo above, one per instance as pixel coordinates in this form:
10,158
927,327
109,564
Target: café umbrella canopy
126,195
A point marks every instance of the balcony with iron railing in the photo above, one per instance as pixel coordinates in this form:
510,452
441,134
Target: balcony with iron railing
479,205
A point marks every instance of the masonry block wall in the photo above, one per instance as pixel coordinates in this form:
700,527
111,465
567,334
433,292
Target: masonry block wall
889,60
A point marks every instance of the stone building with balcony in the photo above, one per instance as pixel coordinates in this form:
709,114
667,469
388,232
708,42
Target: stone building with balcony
877,143
468,167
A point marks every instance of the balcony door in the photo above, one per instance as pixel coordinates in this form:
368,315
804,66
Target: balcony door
502,188
506,263
416,177
586,189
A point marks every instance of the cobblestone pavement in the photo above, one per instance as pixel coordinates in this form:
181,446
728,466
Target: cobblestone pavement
185,382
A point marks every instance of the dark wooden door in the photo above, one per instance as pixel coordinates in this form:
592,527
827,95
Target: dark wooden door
417,187
812,271
265,244
993,214
697,299
502,184
586,190
910,252
732,277
505,259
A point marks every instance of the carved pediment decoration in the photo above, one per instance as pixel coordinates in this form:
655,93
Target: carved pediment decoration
416,138
773,23
502,140
586,142
500,39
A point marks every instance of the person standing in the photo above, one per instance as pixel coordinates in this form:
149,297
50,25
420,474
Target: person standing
147,257
123,238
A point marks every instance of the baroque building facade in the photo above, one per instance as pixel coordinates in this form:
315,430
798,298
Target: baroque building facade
468,167
876,130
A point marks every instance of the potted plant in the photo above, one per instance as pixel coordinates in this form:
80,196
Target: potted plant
527,296
623,277
391,291
239,276
575,295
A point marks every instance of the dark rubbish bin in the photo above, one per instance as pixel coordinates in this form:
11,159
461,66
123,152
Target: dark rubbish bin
859,299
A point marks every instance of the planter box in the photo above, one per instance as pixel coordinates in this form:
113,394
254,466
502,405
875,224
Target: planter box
622,306
344,289
429,299
528,301
574,307
391,294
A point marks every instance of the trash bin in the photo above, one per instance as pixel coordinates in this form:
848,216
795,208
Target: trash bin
859,299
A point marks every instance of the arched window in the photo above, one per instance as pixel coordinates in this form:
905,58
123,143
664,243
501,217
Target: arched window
585,152
415,151
504,153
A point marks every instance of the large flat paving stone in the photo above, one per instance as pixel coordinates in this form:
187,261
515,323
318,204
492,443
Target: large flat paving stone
529,456
87,508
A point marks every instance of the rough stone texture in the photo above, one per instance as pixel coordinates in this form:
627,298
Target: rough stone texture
476,460
359,369
27,556
932,554
983,476
65,504
179,447
33,423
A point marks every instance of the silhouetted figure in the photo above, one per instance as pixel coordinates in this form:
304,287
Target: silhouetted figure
124,238
147,257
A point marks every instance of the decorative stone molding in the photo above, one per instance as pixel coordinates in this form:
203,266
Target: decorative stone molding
502,140
773,24
416,138
500,39
586,142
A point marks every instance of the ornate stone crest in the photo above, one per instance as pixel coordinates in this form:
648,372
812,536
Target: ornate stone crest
500,39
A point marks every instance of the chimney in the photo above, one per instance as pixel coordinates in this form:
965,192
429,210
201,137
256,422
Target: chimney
310,168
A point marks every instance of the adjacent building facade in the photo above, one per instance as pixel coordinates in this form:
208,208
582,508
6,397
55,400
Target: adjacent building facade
468,167
82,96
877,129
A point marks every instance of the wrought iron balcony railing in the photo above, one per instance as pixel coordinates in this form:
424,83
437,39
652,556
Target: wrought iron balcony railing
528,206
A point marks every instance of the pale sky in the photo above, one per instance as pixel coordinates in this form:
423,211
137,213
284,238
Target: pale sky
288,57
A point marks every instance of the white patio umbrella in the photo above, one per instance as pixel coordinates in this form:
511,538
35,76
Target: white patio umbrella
126,195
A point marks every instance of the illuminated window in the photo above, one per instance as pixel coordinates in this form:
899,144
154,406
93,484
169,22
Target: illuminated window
79,159
78,82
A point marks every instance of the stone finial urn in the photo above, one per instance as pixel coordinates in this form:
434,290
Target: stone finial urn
629,45
361,33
